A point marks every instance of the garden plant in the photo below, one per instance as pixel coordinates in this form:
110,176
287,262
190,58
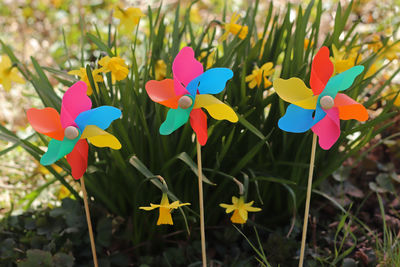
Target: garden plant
242,202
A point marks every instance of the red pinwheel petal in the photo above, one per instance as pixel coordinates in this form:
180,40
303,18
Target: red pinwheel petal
350,109
328,129
163,92
198,121
73,103
185,68
78,159
46,121
321,70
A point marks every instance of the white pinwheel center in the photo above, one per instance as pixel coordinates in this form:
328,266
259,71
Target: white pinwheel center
71,132
185,102
326,102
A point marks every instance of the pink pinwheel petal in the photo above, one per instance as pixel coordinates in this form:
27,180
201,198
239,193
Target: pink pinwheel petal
78,159
321,70
73,103
198,121
328,129
185,68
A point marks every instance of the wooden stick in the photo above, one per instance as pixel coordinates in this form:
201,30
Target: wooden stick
308,199
201,203
89,223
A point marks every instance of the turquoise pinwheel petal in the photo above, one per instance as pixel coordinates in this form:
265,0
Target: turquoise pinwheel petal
296,119
58,149
175,119
213,81
341,82
101,117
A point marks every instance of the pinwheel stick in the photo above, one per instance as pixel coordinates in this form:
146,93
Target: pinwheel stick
308,199
202,230
89,222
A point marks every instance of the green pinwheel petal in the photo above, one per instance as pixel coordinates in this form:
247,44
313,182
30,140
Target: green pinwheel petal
58,149
341,82
175,119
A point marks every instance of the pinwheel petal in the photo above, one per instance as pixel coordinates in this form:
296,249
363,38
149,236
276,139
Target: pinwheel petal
296,119
295,92
78,159
100,138
185,68
175,119
74,102
46,121
198,121
350,109
321,70
101,117
217,109
58,149
213,81
163,92
342,81
328,129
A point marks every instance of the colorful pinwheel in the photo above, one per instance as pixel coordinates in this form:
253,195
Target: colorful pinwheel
188,92
322,107
76,123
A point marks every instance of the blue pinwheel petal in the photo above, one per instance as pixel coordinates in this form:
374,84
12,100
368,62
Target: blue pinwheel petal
101,117
296,119
175,119
319,114
341,81
58,149
213,81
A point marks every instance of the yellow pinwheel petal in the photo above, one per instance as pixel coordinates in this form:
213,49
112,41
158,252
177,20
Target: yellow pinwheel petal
100,138
295,92
216,108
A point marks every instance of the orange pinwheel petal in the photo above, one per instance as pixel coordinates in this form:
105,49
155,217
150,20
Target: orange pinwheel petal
46,121
350,109
321,70
198,121
163,92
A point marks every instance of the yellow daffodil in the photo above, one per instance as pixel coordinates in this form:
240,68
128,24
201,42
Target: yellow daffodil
240,209
307,43
161,70
63,193
343,61
260,74
392,52
234,28
210,58
119,70
129,18
8,73
165,209
376,43
81,72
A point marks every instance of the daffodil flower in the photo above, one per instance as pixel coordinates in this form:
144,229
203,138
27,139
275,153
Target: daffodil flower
160,69
119,70
240,209
8,73
343,61
129,18
235,29
165,209
81,72
260,74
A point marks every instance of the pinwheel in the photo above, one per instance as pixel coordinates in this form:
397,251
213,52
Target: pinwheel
189,91
320,109
69,132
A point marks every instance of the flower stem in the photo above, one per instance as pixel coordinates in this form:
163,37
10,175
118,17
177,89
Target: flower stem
308,200
201,203
89,222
